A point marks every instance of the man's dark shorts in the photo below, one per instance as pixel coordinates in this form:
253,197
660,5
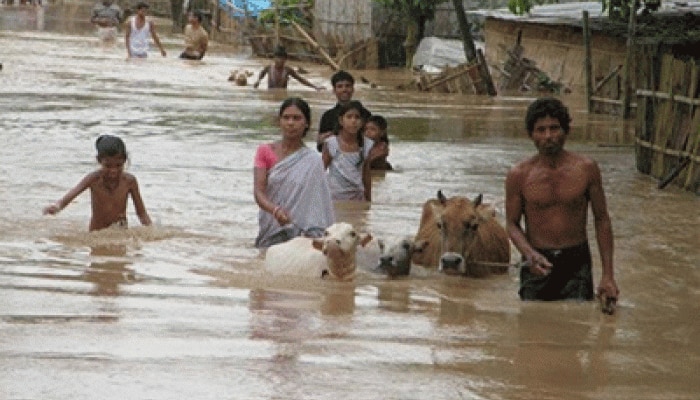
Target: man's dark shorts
186,56
569,279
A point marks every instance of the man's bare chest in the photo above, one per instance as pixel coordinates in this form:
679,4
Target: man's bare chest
543,189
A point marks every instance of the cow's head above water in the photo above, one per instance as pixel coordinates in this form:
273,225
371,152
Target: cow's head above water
458,220
339,245
395,256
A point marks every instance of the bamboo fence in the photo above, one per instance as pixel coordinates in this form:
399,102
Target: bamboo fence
668,125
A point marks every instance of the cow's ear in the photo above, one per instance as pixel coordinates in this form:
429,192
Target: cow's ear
486,212
366,239
441,197
317,244
477,200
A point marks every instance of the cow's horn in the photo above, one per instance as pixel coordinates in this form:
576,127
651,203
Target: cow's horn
441,197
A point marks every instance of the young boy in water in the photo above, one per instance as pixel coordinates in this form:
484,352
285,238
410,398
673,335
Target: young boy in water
110,187
376,129
278,73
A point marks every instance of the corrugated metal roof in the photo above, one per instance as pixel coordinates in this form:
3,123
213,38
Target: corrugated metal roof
573,12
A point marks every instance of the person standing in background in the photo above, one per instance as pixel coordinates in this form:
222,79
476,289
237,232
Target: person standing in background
278,73
138,28
196,38
106,16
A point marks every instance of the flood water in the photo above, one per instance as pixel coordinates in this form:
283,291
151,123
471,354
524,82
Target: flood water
183,310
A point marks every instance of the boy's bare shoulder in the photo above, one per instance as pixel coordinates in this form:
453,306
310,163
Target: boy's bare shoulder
128,178
92,177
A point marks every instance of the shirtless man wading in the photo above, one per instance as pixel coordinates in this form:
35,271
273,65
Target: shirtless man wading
551,192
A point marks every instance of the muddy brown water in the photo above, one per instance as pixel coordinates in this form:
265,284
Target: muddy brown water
182,309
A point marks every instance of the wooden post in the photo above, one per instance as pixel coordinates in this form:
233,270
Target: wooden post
588,65
465,28
277,23
626,80
315,46
485,73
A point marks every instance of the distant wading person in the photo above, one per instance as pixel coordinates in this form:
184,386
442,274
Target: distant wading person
196,38
106,16
290,184
551,192
110,188
278,73
138,29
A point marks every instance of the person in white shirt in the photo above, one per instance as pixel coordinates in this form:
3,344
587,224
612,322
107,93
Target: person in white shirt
138,28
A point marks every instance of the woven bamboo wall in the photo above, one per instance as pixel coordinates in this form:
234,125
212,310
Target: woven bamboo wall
668,125
342,21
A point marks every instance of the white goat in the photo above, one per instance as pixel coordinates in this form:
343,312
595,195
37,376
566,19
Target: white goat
333,255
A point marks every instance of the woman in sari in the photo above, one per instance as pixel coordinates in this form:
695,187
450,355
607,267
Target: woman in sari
290,182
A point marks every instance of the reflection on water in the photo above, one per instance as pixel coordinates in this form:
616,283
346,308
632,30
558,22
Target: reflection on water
183,308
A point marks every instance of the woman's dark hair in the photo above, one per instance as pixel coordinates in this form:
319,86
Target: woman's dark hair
547,107
302,105
109,146
382,124
364,114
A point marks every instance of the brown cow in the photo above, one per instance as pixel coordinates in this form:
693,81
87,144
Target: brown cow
461,236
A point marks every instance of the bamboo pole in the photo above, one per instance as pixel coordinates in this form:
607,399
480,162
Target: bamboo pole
607,78
485,73
315,46
669,152
446,78
277,24
588,65
627,84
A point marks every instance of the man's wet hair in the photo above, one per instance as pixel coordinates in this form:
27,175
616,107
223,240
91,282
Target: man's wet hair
547,107
142,4
302,105
342,76
110,146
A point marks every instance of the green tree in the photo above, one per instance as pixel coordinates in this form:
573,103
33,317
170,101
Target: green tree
290,10
520,7
415,14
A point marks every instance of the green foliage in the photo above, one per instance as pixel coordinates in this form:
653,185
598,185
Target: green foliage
290,10
521,7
